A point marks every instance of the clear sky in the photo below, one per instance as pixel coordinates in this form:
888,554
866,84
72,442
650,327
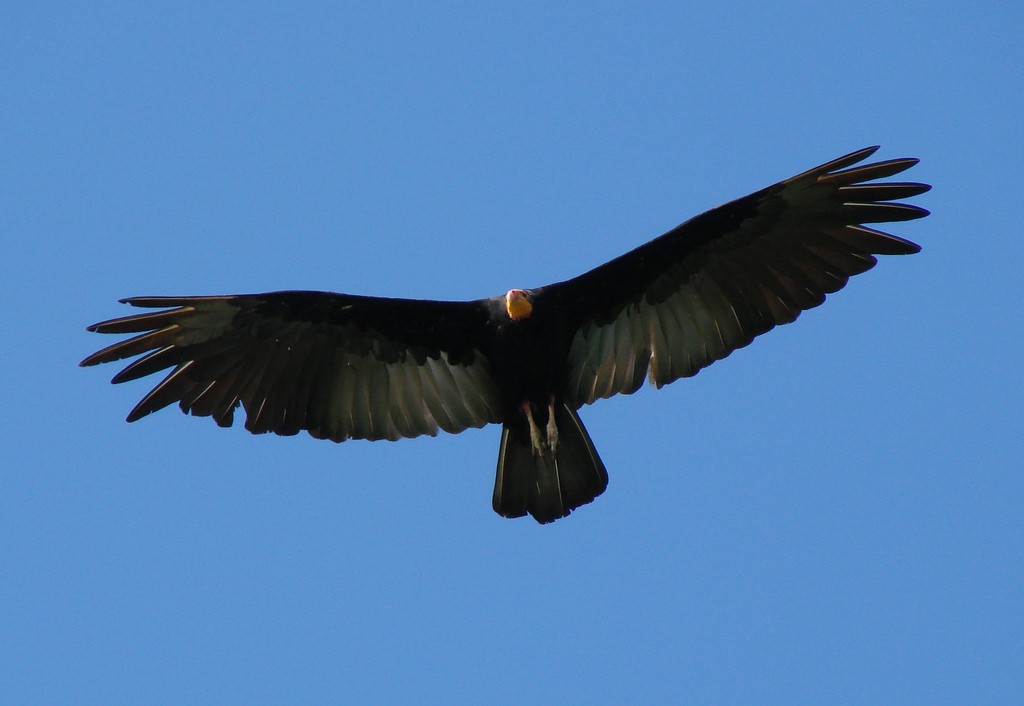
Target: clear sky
833,515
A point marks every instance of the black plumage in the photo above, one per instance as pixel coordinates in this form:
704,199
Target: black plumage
351,367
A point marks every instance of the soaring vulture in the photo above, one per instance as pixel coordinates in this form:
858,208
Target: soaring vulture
343,366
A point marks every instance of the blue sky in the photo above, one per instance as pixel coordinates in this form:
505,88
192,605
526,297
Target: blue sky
832,515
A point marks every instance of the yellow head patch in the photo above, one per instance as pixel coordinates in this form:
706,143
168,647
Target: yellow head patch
518,304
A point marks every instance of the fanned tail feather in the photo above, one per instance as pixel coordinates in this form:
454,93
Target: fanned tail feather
547,485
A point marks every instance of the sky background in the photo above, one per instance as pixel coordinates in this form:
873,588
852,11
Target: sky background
832,515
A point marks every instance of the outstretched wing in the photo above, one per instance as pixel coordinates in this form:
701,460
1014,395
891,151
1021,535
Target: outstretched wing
709,286
339,366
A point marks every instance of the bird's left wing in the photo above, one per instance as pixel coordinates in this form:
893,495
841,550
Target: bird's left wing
337,365
709,286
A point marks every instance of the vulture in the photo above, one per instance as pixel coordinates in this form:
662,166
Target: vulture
343,366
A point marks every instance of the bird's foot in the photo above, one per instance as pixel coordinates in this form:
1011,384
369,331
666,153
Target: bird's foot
552,428
537,440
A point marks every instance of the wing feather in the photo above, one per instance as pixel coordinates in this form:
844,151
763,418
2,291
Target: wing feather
711,285
681,332
693,347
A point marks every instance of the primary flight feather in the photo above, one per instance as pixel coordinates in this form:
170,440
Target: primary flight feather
342,366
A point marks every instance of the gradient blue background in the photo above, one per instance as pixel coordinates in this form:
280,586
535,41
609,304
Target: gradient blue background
833,515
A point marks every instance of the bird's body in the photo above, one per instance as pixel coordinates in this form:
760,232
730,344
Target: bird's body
344,366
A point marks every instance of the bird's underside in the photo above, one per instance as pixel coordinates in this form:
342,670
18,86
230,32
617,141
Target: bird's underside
342,366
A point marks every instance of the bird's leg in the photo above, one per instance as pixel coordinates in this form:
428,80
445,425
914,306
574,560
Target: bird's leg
536,440
552,428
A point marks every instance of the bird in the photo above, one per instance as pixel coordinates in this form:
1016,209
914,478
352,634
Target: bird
344,366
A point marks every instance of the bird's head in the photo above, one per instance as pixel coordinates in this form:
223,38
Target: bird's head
518,304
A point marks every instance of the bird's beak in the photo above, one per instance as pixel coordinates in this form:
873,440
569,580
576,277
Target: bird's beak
518,304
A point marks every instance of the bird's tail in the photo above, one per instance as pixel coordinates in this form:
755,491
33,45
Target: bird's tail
547,484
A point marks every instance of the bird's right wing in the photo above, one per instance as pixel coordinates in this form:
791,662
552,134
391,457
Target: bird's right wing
336,365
